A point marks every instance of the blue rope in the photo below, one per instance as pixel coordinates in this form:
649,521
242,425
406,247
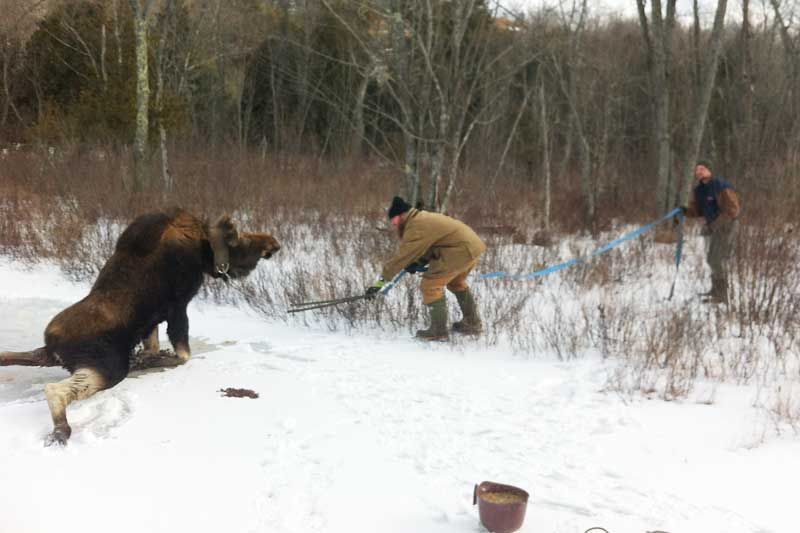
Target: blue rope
678,254
603,249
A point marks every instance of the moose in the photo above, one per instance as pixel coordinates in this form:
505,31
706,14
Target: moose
158,266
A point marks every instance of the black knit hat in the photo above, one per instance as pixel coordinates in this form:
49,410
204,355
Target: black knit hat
398,207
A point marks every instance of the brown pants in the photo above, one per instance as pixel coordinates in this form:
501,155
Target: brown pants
433,288
719,249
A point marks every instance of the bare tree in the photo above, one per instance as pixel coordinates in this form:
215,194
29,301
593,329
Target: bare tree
657,33
545,132
141,23
568,74
16,24
744,137
9,52
522,108
703,98
438,66
791,103
161,60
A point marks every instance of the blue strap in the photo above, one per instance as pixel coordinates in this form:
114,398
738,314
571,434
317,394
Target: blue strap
603,249
679,246
389,286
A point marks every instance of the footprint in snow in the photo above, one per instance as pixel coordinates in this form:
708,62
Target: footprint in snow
102,417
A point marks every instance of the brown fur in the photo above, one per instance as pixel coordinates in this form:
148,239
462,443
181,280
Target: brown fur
156,269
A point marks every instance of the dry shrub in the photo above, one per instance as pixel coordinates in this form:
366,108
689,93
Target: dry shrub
659,356
766,278
70,206
786,406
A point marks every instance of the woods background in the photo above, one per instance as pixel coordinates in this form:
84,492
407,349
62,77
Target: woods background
583,115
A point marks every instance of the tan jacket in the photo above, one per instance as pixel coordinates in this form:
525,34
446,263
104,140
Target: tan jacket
447,243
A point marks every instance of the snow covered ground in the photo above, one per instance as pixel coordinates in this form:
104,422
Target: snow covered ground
360,433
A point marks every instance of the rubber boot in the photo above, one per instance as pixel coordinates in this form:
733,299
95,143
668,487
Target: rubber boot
438,317
470,323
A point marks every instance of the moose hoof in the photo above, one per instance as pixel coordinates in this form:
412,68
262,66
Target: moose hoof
148,360
59,436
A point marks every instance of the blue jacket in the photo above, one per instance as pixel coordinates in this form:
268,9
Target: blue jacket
715,198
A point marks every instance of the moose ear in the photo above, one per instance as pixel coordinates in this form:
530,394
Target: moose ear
227,230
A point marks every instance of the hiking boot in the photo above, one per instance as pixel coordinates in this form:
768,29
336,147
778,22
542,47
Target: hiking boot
718,293
438,317
715,299
470,324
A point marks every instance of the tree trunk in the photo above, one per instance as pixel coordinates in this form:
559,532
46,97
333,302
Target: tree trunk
8,100
459,142
400,58
166,177
746,141
140,143
358,116
410,167
6,91
103,71
698,62
704,98
219,77
584,151
566,156
587,187
602,152
273,81
792,66
545,153
511,136
657,35
117,37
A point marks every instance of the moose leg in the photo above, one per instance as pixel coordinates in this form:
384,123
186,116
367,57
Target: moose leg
37,357
151,356
81,385
178,332
150,343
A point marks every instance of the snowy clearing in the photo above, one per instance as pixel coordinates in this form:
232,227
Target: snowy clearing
361,433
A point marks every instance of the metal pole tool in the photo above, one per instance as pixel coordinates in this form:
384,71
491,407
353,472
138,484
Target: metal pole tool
321,304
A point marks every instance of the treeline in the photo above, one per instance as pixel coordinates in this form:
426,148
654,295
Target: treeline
559,98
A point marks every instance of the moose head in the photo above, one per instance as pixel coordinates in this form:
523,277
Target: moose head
237,254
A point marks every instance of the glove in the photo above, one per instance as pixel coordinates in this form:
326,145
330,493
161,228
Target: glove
683,209
420,265
374,289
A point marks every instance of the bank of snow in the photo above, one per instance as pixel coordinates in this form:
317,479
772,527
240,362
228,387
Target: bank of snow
355,433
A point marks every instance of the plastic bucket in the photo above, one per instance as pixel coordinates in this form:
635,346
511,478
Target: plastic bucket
501,507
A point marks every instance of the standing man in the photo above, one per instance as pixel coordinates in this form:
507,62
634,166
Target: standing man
715,200
450,249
